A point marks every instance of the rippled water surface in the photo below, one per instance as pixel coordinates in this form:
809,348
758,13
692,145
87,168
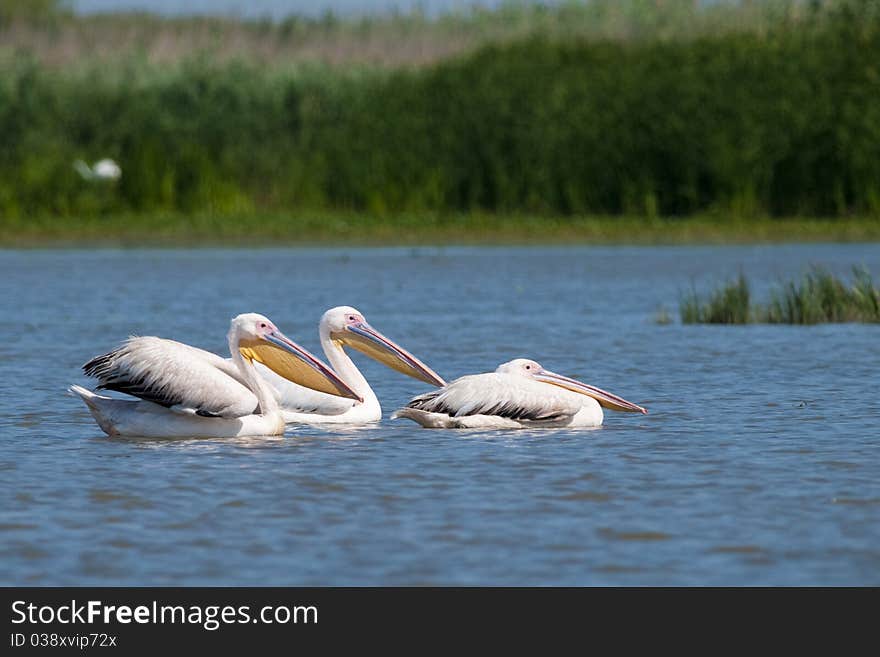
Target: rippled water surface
758,463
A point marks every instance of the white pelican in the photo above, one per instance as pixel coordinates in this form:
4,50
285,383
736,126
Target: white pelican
185,391
514,396
105,169
340,327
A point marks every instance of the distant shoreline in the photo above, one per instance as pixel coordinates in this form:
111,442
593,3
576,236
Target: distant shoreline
638,112
328,229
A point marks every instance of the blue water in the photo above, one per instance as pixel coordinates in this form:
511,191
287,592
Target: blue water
759,462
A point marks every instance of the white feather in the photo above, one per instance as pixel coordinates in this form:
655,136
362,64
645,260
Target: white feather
129,417
185,391
177,373
302,405
508,398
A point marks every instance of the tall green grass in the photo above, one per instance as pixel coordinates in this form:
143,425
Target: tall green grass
728,304
780,121
356,228
821,297
818,297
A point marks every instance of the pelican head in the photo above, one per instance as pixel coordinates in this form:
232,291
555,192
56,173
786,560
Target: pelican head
347,326
258,339
534,370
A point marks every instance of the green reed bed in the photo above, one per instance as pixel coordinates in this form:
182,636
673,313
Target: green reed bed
729,304
764,123
817,297
254,228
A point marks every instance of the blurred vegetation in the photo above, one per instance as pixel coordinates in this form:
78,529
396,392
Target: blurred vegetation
395,39
662,317
668,111
251,228
818,297
37,13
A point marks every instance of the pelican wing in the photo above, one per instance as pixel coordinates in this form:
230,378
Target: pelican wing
502,395
295,398
174,375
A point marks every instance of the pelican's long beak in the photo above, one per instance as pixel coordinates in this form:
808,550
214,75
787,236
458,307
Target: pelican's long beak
286,358
604,398
366,339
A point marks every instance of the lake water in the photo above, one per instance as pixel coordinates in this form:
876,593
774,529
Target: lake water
759,462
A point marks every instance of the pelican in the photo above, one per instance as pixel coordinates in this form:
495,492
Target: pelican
341,327
105,169
520,393
185,391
